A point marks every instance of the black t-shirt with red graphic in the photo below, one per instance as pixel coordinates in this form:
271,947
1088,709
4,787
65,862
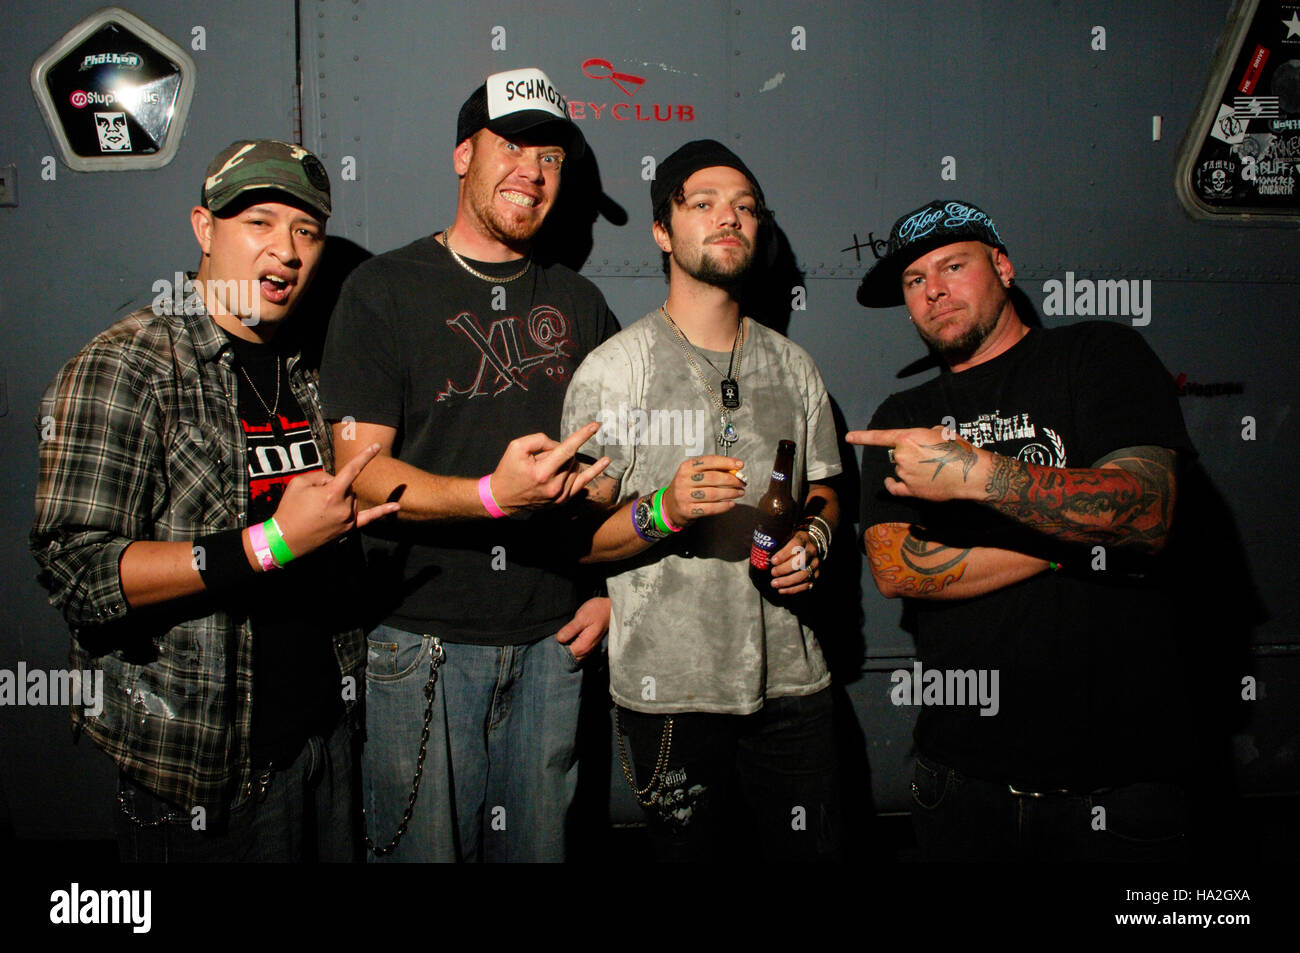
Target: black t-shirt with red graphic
461,366
296,681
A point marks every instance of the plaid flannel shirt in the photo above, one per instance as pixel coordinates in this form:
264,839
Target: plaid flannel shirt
141,441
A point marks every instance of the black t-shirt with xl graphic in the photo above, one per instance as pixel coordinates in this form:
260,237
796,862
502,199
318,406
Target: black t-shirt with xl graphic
1087,667
297,687
461,366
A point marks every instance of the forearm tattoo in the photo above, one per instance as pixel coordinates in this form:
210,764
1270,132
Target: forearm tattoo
951,451
915,567
603,490
1130,506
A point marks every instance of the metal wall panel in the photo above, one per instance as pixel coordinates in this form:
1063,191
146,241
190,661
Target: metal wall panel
1051,136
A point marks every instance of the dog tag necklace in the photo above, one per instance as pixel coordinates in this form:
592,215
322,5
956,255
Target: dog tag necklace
730,399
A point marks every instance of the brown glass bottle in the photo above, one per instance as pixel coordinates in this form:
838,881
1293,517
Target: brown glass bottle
774,522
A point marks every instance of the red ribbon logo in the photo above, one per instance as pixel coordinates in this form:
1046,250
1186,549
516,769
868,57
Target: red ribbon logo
604,69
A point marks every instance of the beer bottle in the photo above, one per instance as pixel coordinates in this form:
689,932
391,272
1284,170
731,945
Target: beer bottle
774,522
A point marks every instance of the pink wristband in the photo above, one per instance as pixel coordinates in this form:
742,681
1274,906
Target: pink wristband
487,499
663,513
261,547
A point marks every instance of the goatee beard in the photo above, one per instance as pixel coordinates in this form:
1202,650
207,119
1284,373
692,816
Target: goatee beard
711,273
960,349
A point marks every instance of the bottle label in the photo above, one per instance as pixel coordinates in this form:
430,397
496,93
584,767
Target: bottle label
779,476
760,553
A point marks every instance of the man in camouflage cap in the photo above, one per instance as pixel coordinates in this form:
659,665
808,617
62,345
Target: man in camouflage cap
184,463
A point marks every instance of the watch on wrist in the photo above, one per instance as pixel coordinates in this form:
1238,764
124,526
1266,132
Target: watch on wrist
644,520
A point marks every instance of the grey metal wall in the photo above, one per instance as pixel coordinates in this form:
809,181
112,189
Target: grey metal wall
1009,97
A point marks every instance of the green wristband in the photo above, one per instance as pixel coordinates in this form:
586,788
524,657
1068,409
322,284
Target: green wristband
656,513
275,539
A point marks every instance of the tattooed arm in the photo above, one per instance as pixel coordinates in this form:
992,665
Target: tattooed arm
904,564
1126,499
702,487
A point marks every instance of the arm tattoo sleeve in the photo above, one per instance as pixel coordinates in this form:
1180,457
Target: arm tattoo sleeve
1130,504
914,566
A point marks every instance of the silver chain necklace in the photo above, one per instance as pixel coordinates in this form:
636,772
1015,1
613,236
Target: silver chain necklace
528,263
727,434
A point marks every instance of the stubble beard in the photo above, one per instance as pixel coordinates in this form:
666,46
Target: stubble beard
503,229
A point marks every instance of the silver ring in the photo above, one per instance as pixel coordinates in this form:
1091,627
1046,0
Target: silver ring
891,455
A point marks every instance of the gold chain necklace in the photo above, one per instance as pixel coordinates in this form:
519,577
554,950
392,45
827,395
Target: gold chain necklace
528,263
272,412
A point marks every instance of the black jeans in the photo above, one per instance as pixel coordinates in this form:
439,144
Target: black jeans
767,781
303,812
959,818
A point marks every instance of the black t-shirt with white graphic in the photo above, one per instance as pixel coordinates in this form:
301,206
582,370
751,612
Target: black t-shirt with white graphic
296,681
1086,662
460,367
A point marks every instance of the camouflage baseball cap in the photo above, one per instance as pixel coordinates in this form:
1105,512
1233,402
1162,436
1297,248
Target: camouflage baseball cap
266,164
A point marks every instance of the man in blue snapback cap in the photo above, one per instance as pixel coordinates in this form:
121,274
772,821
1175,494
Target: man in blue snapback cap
1020,502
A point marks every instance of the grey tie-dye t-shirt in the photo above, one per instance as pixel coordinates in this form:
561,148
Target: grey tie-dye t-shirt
689,632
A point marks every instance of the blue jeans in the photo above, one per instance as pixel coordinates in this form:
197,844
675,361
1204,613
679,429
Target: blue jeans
958,818
500,768
303,812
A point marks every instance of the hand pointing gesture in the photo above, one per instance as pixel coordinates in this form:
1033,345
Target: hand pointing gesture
317,508
930,464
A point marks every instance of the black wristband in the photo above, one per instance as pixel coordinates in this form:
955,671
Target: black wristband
221,560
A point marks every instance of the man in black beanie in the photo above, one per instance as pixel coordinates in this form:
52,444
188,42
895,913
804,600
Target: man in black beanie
722,693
